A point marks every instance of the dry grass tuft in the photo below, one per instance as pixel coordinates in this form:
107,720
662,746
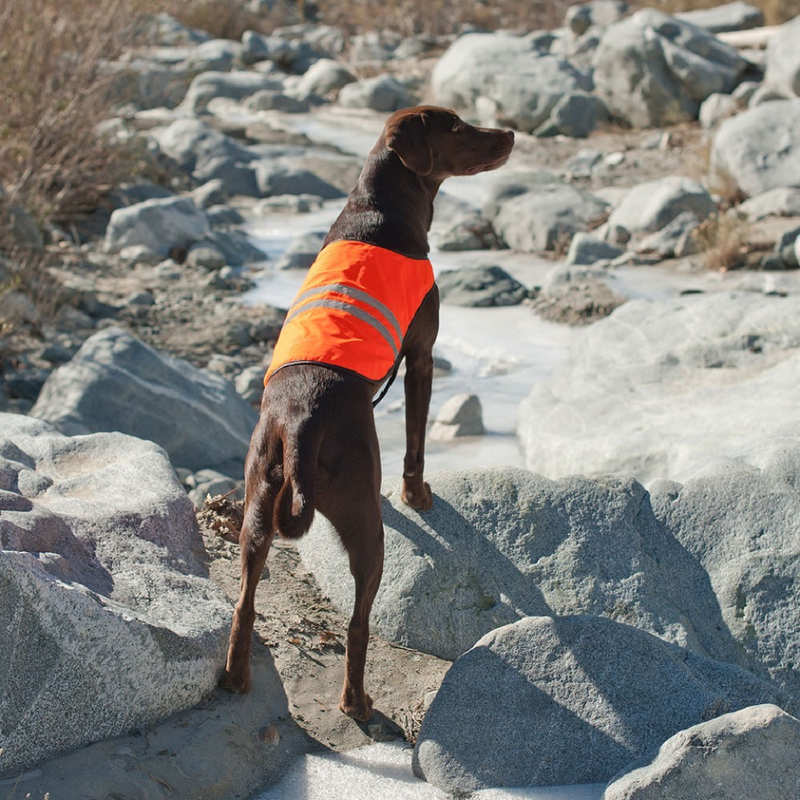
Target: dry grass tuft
776,12
722,239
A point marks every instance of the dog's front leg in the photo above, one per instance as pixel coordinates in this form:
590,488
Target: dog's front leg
418,349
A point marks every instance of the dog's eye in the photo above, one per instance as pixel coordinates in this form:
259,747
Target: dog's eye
457,126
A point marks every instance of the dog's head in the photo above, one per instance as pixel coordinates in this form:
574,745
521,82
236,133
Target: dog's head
436,142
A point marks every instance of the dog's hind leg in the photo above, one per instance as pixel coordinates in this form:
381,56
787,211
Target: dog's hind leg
255,540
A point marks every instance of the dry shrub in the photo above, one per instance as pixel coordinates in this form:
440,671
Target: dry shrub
55,90
722,239
776,12
229,19
409,17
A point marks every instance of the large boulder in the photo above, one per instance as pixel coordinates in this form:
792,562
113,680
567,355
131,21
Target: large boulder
480,287
783,59
522,81
758,149
117,383
233,85
159,225
566,700
545,217
652,69
727,362
650,206
739,519
718,758
381,93
500,544
109,620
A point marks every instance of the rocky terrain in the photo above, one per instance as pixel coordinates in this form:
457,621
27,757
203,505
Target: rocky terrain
632,593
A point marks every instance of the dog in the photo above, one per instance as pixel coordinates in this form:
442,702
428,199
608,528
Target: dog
315,446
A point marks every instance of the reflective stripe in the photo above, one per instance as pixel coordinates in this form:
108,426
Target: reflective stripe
356,294
340,305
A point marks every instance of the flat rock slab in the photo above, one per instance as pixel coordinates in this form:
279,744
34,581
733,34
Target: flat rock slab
109,621
549,701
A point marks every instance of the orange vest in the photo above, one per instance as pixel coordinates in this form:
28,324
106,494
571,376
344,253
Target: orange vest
353,310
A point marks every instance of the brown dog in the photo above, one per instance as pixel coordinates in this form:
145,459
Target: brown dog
315,445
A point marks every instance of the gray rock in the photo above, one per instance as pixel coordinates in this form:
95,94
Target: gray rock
581,17
576,114
546,217
381,93
163,29
290,55
461,415
110,622
206,256
516,708
747,753
276,100
523,81
324,78
235,85
302,251
158,225
783,60
236,248
759,149
652,69
717,107
480,286
224,216
276,178
211,193
117,383
250,384
268,326
675,239
652,205
784,201
218,55
737,518
500,544
586,249
727,362
736,16
468,232
209,482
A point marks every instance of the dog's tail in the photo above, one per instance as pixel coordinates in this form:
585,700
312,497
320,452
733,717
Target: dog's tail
294,504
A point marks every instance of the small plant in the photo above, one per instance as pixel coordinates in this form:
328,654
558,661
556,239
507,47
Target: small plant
722,239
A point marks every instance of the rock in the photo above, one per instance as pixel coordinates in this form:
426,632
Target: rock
290,55
117,383
719,758
274,178
546,217
276,100
250,384
110,622
480,286
211,193
736,16
758,149
586,249
268,326
159,225
217,55
163,29
514,709
235,247
735,516
501,544
783,60
324,78
461,415
675,239
727,361
576,114
578,301
523,81
205,256
652,69
209,482
784,201
717,107
468,232
382,93
302,251
235,85
652,205
224,216
581,17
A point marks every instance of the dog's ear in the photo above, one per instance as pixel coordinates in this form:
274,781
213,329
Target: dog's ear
407,137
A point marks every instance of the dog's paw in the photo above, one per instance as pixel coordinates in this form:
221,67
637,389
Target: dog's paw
421,500
234,682
360,711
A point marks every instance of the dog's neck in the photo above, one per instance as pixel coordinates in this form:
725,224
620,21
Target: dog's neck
390,207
